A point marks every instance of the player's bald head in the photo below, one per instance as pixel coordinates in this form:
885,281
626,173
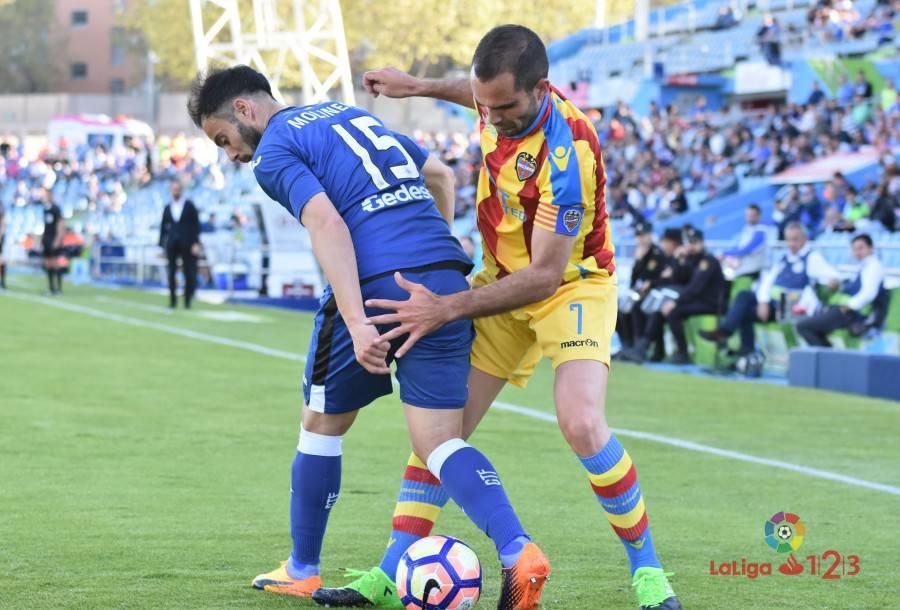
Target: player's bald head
512,49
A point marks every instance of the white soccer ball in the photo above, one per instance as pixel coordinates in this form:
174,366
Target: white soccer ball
439,573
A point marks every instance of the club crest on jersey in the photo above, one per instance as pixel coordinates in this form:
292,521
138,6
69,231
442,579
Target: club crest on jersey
571,220
526,165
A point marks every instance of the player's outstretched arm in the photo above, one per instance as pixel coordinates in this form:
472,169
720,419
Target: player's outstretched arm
550,254
424,312
334,250
441,184
395,83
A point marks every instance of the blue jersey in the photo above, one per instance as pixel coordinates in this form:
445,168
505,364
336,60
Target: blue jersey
371,174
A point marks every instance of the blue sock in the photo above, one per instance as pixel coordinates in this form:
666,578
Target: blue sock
471,480
315,486
510,552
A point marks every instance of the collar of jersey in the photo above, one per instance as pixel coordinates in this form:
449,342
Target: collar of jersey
540,118
285,109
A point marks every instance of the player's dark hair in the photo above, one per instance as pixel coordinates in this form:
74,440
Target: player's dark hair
865,238
755,208
216,88
514,49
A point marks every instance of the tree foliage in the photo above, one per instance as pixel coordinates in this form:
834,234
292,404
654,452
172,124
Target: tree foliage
28,47
410,34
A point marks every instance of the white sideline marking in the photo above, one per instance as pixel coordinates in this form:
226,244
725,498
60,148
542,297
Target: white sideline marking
503,406
165,311
226,315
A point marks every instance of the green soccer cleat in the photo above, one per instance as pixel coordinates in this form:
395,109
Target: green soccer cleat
369,589
651,585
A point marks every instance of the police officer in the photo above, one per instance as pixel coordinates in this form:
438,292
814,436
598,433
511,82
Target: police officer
702,294
650,262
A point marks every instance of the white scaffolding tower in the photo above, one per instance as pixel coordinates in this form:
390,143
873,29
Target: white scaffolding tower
303,35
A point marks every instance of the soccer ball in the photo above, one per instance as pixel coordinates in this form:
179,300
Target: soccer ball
785,532
439,573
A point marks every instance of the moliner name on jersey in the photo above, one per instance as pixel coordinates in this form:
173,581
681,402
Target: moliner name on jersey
401,194
579,343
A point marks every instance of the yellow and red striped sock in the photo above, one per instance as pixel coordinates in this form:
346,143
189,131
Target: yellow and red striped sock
420,502
615,483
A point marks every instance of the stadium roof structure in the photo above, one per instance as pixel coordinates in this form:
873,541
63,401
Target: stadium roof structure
307,35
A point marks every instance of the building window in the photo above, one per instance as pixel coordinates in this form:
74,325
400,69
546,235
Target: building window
117,57
79,18
78,71
117,85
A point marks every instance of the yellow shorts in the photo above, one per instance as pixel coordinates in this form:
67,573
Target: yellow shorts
576,323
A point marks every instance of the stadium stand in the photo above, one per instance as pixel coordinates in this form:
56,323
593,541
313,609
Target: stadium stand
685,144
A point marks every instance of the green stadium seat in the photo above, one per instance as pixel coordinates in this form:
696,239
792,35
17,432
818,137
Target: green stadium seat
705,353
738,285
892,322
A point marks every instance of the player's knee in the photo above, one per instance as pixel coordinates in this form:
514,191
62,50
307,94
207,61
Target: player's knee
585,430
327,423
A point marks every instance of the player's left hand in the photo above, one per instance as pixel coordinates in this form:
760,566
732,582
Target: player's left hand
667,308
418,316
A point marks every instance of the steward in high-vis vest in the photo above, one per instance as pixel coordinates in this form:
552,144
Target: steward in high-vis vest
855,300
785,291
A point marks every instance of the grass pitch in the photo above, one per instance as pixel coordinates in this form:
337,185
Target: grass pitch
142,465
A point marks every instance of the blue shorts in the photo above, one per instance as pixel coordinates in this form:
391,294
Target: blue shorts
433,374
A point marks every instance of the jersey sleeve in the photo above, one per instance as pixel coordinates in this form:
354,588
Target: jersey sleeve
561,205
418,153
284,177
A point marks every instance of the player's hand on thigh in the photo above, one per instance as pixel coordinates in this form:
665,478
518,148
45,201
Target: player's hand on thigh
371,349
418,316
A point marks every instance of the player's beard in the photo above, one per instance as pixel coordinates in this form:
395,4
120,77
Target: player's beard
249,135
534,105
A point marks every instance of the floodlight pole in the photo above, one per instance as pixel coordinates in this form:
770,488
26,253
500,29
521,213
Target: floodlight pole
311,32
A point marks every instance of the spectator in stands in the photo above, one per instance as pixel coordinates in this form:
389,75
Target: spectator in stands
702,294
810,209
888,96
846,90
747,257
787,208
886,208
857,209
179,236
816,95
785,290
726,18
835,222
769,38
850,307
862,87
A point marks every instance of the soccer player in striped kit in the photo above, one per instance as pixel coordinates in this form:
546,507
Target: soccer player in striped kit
547,289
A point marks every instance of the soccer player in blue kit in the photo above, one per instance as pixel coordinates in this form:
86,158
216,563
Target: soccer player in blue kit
370,200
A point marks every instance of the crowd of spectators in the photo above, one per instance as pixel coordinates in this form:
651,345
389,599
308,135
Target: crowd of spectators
657,163
838,20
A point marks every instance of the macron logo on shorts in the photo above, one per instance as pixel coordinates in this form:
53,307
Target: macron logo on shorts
579,343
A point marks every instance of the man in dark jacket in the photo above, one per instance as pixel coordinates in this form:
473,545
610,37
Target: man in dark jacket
179,236
654,267
702,294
